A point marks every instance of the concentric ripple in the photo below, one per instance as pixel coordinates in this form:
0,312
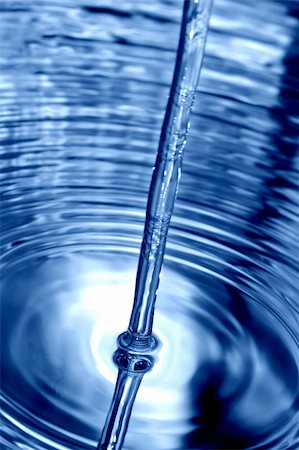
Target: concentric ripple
83,91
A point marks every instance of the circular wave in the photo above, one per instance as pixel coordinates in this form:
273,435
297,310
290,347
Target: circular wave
85,87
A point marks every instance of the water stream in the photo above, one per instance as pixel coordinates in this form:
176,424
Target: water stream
135,346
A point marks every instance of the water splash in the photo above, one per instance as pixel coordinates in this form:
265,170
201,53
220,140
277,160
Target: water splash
135,346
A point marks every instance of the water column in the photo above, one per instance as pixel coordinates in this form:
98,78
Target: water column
135,354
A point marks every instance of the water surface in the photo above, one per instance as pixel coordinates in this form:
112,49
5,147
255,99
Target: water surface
84,87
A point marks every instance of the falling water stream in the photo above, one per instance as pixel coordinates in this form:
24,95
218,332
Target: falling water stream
83,94
133,356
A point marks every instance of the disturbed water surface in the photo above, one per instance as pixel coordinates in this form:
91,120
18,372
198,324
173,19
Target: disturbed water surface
83,87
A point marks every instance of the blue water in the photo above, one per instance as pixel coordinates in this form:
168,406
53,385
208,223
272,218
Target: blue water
84,87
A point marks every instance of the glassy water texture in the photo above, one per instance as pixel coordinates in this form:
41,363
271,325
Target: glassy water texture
84,87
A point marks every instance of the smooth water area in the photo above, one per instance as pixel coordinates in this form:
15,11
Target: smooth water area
84,87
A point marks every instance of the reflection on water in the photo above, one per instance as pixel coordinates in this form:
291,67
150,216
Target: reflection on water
83,91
